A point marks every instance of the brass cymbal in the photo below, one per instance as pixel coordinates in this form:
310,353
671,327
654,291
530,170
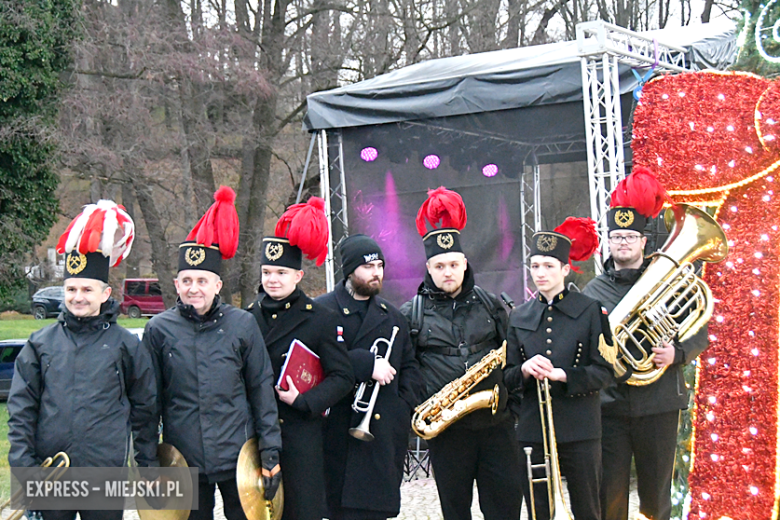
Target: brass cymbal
250,486
169,457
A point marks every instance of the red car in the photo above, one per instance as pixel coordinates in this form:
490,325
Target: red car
141,297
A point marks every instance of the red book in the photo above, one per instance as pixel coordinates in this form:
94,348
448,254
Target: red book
303,366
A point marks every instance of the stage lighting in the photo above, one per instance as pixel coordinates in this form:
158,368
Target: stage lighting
490,170
369,153
431,161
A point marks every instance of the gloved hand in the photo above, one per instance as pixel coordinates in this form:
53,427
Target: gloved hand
271,472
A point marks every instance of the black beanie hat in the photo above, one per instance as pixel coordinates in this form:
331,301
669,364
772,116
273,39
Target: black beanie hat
357,250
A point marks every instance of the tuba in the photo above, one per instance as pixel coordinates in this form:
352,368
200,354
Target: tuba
552,472
455,400
668,300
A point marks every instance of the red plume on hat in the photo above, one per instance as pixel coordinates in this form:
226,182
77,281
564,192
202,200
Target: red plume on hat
94,229
305,225
641,191
442,206
219,225
583,235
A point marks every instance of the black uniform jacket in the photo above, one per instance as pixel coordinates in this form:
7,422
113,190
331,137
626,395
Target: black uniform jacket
566,332
215,385
456,333
80,386
367,475
318,328
668,393
298,317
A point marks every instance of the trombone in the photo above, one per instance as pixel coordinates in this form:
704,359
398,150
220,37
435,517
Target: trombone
361,431
552,472
63,461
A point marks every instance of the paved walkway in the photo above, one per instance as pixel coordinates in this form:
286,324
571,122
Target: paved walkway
419,501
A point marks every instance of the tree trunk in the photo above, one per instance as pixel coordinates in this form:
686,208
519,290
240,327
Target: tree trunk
161,253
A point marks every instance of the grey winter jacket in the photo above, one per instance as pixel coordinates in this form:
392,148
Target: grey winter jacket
81,386
215,385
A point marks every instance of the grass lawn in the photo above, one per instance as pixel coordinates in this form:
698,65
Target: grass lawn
21,327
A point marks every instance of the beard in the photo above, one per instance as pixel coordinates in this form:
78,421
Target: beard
365,289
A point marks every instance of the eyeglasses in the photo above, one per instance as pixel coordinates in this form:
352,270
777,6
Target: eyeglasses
630,239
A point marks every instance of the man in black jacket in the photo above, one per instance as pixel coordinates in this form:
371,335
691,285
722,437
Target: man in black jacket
563,337
214,378
455,324
363,479
286,315
83,384
639,421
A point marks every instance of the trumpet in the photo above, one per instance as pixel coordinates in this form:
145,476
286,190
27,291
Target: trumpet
361,431
552,471
63,462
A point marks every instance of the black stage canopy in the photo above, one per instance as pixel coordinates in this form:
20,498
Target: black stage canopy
477,124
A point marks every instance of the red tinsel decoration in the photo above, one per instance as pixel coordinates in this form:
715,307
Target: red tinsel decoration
705,135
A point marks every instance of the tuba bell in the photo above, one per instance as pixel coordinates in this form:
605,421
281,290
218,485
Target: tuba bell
668,301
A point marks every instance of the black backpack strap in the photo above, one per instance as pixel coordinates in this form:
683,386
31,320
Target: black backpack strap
415,326
491,308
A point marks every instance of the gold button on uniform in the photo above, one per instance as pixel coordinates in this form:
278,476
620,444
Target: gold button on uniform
549,330
549,318
549,307
377,416
549,340
549,352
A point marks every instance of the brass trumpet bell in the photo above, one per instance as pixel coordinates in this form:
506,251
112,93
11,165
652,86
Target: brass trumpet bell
250,486
169,457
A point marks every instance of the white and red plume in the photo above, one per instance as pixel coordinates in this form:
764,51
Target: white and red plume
95,230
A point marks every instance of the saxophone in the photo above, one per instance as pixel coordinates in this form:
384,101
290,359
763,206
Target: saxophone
455,400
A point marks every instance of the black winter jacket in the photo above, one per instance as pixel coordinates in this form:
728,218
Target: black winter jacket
669,392
455,334
215,385
81,386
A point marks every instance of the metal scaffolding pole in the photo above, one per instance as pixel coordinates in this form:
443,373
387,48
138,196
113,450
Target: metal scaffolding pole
333,189
530,219
602,48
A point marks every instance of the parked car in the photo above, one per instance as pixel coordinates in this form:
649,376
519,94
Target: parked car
46,302
141,297
9,349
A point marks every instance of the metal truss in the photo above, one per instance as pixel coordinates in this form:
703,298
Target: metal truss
333,189
602,47
530,219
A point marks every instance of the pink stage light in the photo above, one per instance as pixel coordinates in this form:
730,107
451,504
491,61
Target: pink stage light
369,153
490,170
431,161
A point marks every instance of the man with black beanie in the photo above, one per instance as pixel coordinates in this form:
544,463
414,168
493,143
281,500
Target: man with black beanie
363,478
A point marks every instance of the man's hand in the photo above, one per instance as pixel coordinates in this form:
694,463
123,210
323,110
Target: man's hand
557,374
538,367
288,396
383,371
271,473
664,356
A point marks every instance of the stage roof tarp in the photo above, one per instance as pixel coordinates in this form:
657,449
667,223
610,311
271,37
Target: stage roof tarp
497,80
